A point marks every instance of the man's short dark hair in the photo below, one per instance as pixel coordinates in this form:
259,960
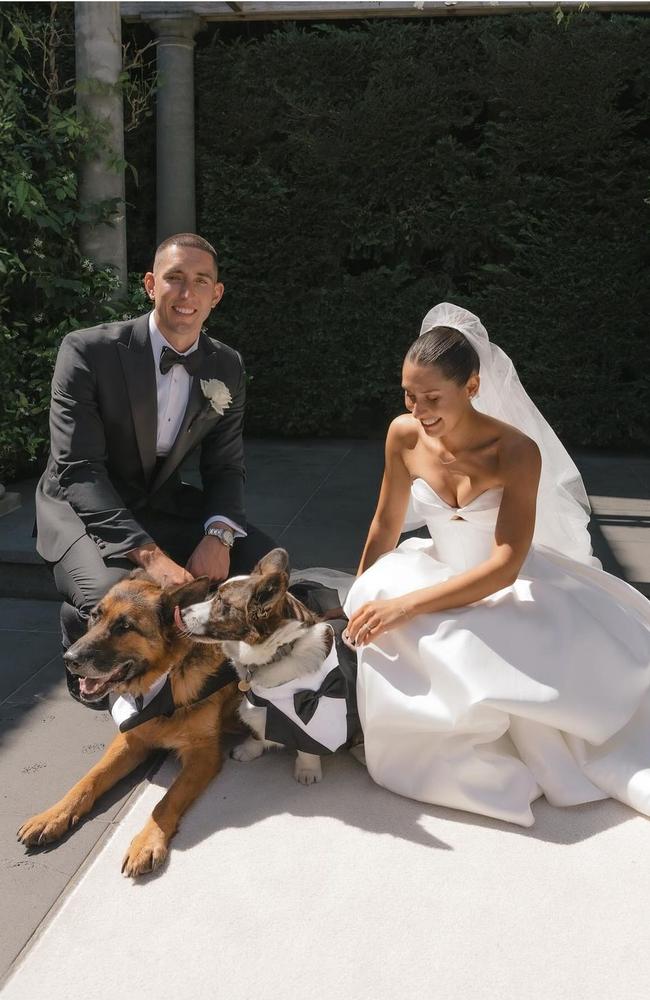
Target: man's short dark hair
188,240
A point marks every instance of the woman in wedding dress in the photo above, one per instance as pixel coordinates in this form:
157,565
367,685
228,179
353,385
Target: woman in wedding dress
497,661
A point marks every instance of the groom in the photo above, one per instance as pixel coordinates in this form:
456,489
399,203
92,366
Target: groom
130,401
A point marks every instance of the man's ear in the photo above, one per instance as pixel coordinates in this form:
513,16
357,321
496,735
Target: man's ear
149,283
275,561
268,591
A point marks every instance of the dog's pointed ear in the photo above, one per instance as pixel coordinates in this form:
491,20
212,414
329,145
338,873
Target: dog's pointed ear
140,574
182,596
269,589
188,593
275,561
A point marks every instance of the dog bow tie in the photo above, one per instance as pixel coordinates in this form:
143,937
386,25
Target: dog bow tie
190,362
305,703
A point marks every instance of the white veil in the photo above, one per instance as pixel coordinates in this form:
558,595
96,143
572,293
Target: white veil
562,504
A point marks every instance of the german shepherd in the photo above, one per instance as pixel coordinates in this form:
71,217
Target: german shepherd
136,635
132,641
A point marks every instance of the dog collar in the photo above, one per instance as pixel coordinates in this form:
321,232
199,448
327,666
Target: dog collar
247,682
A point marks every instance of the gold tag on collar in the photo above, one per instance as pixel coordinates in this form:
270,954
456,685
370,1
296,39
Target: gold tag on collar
244,686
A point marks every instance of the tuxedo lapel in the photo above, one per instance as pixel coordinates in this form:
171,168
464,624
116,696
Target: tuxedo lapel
197,405
139,372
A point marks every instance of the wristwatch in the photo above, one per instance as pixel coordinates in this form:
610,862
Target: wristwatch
225,535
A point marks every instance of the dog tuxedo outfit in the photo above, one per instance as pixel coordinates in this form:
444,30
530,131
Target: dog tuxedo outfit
129,711
316,714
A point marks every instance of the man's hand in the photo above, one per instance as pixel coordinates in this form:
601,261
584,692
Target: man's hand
159,566
210,558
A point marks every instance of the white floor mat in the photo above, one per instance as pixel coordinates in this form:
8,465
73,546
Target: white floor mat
343,891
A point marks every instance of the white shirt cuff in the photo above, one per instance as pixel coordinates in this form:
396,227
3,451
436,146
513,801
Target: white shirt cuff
238,530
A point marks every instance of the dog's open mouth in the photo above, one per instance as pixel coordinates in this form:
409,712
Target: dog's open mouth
94,688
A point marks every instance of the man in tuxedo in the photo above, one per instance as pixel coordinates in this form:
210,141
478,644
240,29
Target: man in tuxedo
129,402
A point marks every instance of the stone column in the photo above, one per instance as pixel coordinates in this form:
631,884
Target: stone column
175,188
98,40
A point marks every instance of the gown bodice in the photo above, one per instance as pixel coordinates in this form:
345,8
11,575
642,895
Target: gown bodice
462,536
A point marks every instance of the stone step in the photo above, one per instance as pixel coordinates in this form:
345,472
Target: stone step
22,571
617,485
27,580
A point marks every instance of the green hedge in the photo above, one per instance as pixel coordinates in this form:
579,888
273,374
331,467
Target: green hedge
353,176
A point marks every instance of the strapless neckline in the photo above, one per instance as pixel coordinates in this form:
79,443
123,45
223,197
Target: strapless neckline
466,506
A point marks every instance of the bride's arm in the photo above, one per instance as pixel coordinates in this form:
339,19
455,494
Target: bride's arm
386,525
521,467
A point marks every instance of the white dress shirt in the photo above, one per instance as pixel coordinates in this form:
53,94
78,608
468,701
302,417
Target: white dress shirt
173,393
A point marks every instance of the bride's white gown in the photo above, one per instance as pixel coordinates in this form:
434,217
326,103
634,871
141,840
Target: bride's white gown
541,688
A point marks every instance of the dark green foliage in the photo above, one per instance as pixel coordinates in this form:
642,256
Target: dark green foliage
352,177
46,287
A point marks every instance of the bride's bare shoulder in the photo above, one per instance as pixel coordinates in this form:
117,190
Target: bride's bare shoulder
403,433
518,452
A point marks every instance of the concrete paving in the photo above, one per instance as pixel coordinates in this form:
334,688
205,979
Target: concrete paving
316,498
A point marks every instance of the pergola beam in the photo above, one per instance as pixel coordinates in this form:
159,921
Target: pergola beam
255,10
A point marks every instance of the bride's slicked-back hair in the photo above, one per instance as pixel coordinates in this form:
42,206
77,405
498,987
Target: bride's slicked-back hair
448,350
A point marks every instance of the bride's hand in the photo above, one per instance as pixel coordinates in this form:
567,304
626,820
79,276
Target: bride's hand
376,617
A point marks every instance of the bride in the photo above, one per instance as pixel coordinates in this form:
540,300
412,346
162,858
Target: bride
497,661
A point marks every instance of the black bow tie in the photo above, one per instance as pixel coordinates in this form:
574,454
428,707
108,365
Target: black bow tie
305,703
190,362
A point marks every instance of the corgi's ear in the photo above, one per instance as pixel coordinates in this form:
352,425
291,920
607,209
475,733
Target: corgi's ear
275,561
269,589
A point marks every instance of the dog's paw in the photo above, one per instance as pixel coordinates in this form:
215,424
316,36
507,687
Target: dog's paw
307,771
146,852
250,749
46,827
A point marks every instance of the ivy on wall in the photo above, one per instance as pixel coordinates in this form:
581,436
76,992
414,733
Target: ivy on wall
46,286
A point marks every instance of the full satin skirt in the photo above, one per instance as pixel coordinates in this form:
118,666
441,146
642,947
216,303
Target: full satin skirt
542,688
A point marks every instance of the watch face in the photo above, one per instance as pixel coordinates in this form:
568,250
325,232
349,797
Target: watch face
225,535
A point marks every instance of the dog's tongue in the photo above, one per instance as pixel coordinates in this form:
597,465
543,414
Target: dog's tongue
89,685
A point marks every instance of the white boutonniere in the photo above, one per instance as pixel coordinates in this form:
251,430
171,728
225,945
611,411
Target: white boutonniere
217,393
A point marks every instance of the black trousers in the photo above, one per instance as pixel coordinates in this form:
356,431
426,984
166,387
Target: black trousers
82,576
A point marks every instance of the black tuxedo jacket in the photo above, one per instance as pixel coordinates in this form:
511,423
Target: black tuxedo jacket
103,422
